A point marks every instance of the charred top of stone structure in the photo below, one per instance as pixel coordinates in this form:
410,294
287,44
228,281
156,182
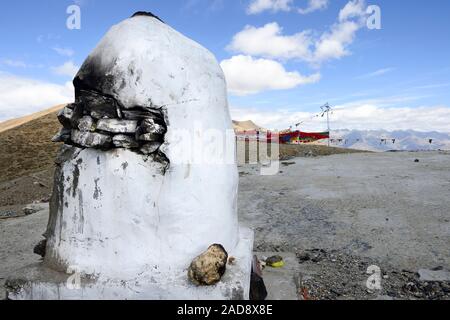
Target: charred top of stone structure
146,14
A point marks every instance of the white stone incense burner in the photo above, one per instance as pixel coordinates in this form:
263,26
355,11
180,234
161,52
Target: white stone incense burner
130,207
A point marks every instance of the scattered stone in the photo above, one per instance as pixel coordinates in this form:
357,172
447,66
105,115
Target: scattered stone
117,126
86,124
347,278
124,141
91,139
315,255
150,148
40,248
209,267
30,209
7,214
417,161
275,262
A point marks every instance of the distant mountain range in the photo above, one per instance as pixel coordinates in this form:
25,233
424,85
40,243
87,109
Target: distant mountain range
382,140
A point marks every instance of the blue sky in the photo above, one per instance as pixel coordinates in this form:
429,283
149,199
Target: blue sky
283,58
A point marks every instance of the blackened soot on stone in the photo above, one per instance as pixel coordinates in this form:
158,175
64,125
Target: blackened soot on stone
146,14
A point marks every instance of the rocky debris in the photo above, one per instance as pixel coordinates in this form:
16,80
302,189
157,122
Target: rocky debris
7,214
258,291
209,267
40,248
275,262
86,124
117,126
30,209
128,142
99,121
315,255
331,275
150,148
91,139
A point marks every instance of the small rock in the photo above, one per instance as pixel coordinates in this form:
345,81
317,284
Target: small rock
117,126
91,139
7,214
288,163
417,160
150,148
124,141
209,267
86,124
275,262
232,261
28,210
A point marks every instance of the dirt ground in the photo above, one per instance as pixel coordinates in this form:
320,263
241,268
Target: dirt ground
337,215
357,210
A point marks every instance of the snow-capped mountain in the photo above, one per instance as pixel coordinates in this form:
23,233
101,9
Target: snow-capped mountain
381,140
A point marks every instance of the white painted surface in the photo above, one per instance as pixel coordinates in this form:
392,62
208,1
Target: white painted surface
124,215
39,283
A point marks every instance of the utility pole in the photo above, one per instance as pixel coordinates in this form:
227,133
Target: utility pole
326,110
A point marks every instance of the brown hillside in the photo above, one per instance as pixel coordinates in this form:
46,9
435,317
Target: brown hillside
27,148
10,124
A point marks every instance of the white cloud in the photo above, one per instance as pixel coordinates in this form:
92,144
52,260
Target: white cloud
66,52
246,75
314,5
268,41
67,69
334,44
258,6
377,73
353,9
14,63
21,96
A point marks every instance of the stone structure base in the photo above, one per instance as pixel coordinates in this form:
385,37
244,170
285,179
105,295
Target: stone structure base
37,282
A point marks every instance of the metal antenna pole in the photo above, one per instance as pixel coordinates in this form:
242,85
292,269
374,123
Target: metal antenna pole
326,109
328,126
